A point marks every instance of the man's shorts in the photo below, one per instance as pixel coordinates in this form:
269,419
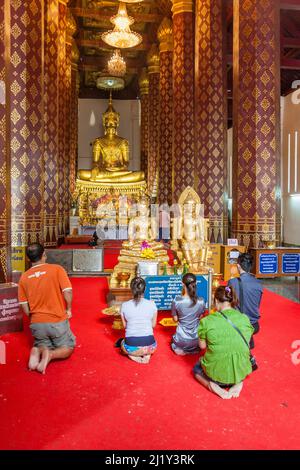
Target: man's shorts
53,335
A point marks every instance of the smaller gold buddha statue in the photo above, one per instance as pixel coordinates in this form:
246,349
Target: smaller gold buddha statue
190,232
111,154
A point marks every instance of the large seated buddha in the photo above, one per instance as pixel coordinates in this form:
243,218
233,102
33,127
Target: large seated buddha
111,154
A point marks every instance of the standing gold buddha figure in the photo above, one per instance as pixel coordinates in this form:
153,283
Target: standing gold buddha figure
111,154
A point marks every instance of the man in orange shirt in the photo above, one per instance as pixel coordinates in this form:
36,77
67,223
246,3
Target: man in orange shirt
45,294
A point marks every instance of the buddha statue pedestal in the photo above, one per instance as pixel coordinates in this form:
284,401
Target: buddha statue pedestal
130,254
88,192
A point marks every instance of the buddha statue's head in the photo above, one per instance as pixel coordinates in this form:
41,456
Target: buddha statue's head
143,206
110,119
191,207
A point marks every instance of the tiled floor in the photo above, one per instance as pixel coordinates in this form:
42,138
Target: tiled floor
288,287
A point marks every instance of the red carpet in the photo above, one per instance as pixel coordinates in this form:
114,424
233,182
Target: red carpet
98,399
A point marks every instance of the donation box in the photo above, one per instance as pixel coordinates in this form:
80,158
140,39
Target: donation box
11,316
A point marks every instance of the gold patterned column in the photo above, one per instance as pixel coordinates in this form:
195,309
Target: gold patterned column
183,161
26,90
256,122
165,37
153,146
4,142
144,97
69,148
63,157
51,124
211,115
74,116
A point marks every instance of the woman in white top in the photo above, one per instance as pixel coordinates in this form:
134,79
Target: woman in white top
139,317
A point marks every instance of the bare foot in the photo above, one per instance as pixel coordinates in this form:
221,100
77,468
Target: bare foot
34,358
42,366
179,352
146,359
235,390
140,359
219,391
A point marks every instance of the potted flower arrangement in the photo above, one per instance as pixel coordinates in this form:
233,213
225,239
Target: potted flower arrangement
147,251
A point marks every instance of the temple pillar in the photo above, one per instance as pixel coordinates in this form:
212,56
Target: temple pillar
26,110
5,218
165,37
256,122
70,158
63,83
74,116
154,122
183,161
51,125
144,98
211,115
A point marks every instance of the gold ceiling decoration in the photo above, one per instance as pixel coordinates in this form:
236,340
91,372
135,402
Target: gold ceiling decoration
116,65
165,35
121,36
153,59
132,1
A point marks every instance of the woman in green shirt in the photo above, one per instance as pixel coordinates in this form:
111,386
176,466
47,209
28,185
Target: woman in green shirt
226,361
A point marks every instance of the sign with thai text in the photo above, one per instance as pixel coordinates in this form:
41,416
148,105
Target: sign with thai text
268,263
163,289
291,263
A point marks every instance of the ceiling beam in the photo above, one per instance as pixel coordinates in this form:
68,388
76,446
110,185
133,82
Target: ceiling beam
96,15
290,5
103,45
290,64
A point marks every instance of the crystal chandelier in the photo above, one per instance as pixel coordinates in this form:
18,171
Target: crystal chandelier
105,81
116,64
121,36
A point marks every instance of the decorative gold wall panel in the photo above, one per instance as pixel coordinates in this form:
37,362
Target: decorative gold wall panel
256,131
211,115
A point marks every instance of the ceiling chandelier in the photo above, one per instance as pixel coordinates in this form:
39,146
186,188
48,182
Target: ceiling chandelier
105,81
116,64
121,36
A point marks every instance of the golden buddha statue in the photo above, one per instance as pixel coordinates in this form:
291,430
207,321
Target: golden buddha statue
190,232
111,154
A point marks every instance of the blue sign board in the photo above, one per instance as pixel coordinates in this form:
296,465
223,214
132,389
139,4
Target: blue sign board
291,263
268,263
163,289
